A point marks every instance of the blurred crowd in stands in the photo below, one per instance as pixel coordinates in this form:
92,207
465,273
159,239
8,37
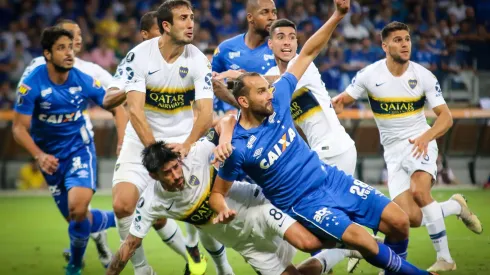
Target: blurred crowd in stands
450,37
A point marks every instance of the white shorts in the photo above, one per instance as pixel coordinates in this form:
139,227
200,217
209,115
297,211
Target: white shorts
346,161
401,165
129,167
270,263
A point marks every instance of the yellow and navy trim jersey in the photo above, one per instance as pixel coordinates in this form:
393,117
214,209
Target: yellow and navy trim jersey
170,88
312,111
397,102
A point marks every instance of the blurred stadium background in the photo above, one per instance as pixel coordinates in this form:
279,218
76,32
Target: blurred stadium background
450,37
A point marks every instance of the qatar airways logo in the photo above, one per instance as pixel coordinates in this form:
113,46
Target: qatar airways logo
279,148
60,118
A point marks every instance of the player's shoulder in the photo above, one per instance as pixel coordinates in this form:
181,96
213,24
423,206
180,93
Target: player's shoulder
142,50
231,43
192,52
372,68
421,70
36,62
36,76
86,79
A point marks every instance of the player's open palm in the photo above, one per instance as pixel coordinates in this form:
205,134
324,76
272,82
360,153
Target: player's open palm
338,104
182,149
342,6
230,74
222,152
48,163
225,216
420,146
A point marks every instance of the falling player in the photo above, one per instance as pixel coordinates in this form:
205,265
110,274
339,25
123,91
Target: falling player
49,124
397,90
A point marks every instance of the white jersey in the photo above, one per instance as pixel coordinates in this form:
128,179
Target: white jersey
312,111
86,67
118,80
397,102
170,88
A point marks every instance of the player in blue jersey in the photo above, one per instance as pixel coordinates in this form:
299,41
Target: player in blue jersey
247,51
49,124
331,204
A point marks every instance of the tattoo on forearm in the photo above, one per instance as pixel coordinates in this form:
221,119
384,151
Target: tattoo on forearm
122,256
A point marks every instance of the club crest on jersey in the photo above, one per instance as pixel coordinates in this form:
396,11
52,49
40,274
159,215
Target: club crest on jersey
194,181
278,149
412,83
183,71
23,89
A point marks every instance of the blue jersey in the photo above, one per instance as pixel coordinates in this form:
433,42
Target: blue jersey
58,126
274,155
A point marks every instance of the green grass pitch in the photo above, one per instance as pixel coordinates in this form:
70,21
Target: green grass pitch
33,236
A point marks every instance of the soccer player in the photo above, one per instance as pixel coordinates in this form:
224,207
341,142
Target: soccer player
398,90
167,230
165,77
49,124
181,190
328,202
311,106
247,51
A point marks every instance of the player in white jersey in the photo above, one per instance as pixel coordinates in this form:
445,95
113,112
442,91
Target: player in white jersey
311,106
104,77
167,230
181,190
165,77
398,90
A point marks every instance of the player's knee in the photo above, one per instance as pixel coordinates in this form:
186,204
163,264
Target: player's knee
415,218
122,208
160,223
420,186
78,213
400,226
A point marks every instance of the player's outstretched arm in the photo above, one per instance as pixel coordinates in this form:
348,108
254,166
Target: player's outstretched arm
319,40
125,252
221,91
217,201
224,128
120,120
113,98
136,103
20,129
342,100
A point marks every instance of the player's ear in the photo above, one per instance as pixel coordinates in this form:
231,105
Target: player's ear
243,101
250,18
144,34
166,26
47,54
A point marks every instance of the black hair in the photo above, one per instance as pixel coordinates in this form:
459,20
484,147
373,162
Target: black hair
156,155
281,23
147,20
393,27
164,11
51,35
239,87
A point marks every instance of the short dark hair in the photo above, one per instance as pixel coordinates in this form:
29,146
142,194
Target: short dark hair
393,27
147,20
51,35
60,22
281,23
164,12
239,87
156,155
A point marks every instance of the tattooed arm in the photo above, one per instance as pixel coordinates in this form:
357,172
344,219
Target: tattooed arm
123,255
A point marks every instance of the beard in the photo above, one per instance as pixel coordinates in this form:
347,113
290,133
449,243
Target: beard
397,58
261,111
178,41
61,69
262,32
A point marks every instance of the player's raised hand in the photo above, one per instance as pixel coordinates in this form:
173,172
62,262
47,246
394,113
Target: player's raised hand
231,74
342,6
47,163
420,146
222,152
225,216
181,148
338,104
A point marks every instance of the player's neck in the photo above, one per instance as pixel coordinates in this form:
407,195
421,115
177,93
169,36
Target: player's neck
282,65
168,49
396,69
253,39
248,120
56,77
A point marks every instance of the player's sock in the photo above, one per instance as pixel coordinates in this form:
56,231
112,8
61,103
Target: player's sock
217,252
173,237
330,257
449,207
389,261
79,233
437,230
138,259
400,248
102,220
192,236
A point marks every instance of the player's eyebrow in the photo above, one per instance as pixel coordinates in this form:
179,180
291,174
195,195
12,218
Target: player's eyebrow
261,89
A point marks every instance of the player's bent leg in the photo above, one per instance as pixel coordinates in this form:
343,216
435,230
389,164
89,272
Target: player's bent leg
420,184
408,205
170,233
217,252
302,239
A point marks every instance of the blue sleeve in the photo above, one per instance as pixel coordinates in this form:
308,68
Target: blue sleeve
26,99
218,62
94,89
284,89
231,169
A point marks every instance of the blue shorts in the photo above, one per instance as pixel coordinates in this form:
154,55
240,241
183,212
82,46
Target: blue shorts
77,170
328,211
